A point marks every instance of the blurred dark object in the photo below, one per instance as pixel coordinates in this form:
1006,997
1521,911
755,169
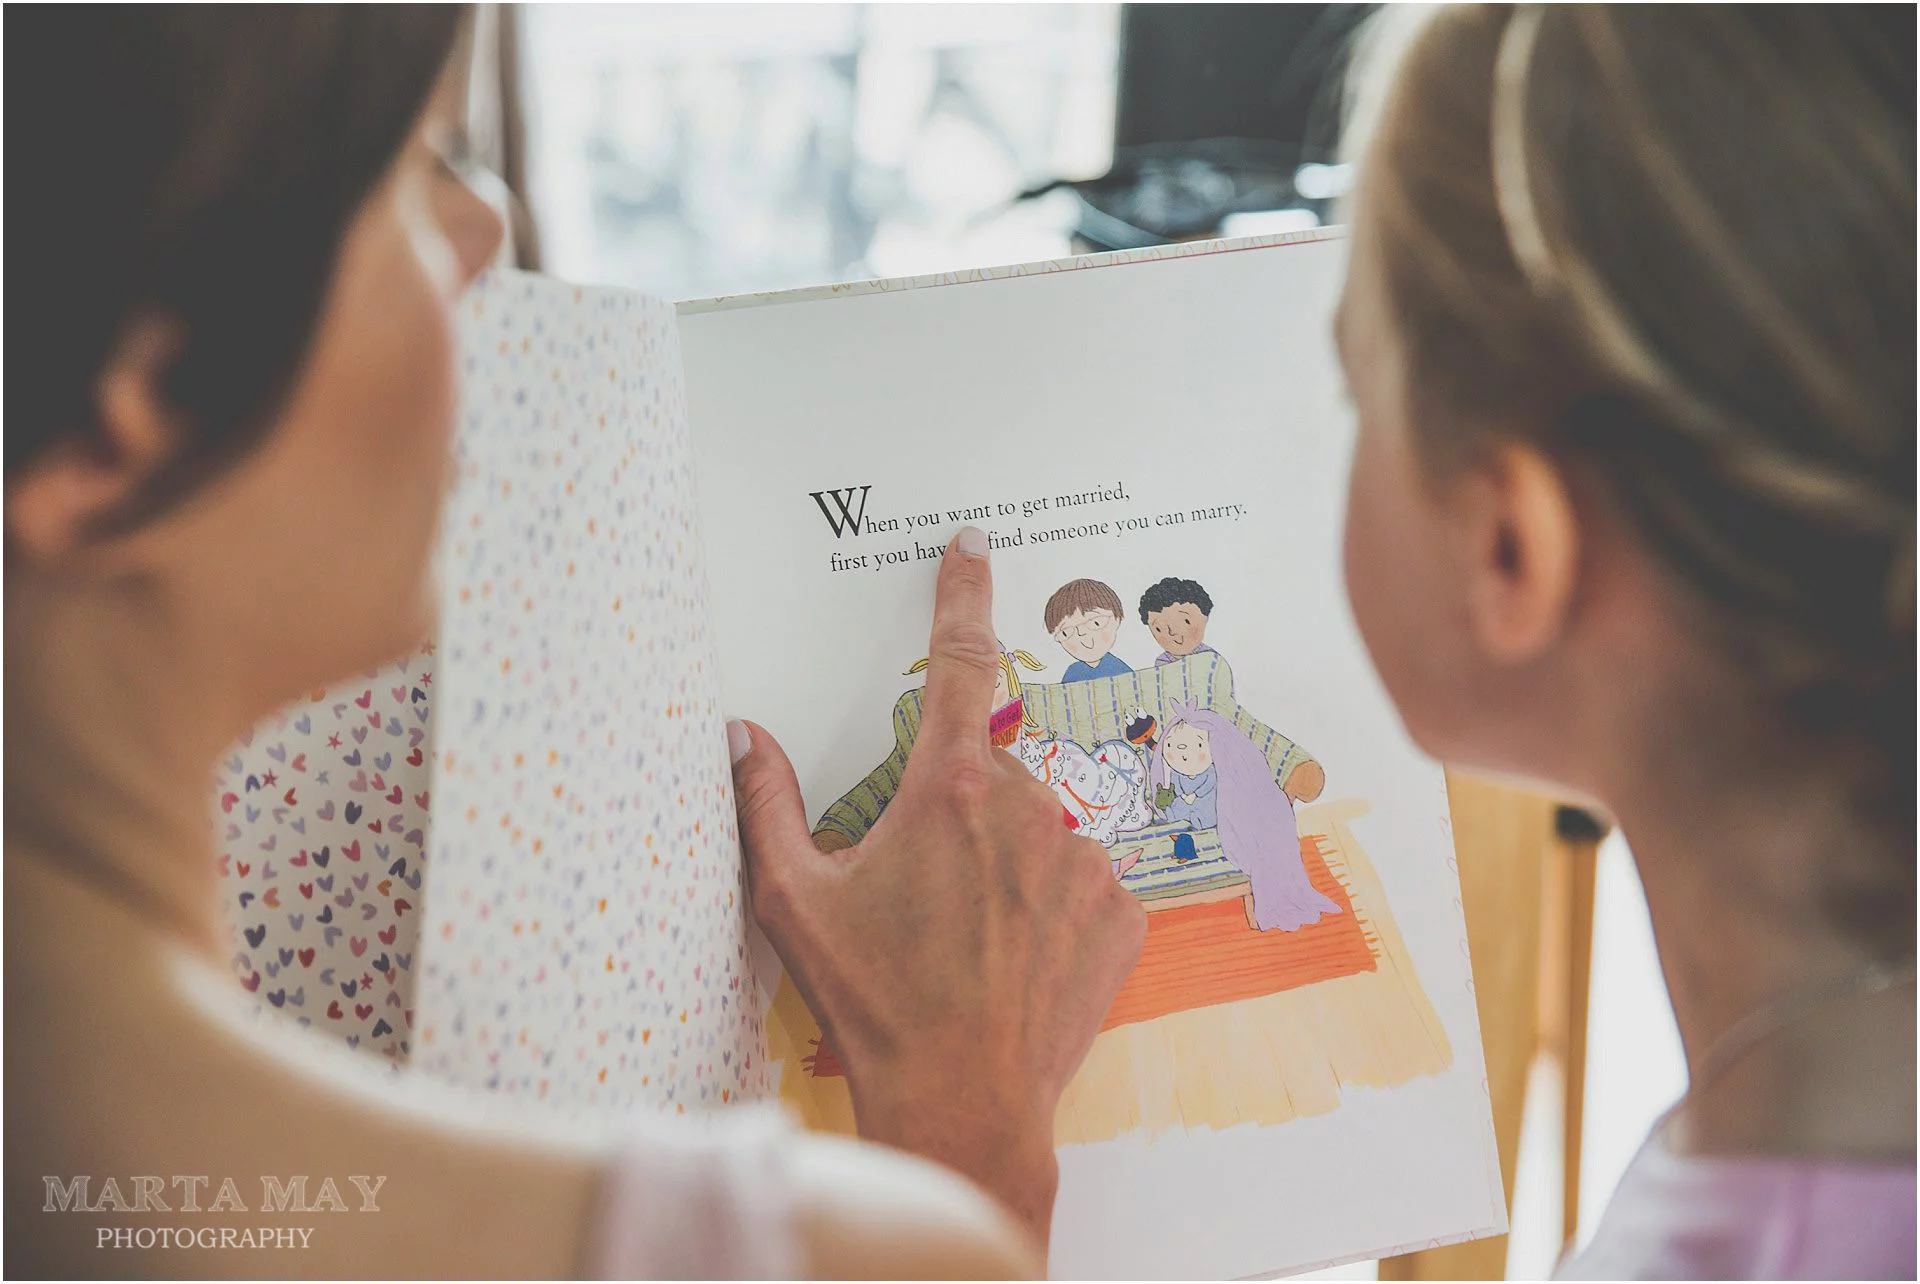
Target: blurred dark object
1244,71
496,124
513,139
1220,105
1578,825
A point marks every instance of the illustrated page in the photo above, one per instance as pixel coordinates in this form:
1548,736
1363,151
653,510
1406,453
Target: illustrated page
585,939
1157,446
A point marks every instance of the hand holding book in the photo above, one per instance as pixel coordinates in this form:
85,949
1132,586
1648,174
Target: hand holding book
963,954
949,959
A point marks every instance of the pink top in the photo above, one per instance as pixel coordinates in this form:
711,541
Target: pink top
708,1200
715,1201
1681,1218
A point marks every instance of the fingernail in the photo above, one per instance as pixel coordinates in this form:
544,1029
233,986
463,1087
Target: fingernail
972,541
739,740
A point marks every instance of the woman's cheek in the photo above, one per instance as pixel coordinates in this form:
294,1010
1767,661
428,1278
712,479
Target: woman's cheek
441,284
417,382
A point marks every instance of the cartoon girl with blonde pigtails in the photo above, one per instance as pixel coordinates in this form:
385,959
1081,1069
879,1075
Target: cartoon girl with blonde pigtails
1010,716
1102,791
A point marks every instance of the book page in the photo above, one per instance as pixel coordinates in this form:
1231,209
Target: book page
1157,445
585,941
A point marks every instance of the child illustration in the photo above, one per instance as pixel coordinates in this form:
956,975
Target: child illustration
1084,618
1176,611
1191,794
1103,790
1009,716
1255,819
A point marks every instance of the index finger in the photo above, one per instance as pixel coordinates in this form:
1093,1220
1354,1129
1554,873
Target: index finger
963,652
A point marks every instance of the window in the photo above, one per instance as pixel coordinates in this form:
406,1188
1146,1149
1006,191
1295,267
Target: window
696,150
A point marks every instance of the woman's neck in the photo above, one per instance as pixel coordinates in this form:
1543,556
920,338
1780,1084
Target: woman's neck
113,724
1737,884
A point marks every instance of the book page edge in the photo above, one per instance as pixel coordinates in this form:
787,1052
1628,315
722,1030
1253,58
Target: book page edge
1043,267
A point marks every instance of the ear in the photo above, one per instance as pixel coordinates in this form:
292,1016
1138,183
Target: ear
54,506
1525,555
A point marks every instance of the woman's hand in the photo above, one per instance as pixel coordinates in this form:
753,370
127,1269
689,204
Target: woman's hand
962,956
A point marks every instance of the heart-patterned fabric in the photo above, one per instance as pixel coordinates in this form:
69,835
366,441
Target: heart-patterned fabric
321,818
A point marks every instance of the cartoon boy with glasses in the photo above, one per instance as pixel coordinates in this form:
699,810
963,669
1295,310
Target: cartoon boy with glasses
1084,618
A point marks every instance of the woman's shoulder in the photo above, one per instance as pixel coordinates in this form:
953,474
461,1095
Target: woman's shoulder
148,1060
150,1065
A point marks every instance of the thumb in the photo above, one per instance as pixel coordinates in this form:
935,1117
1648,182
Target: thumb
773,819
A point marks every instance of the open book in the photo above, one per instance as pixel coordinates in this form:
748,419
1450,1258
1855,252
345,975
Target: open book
665,515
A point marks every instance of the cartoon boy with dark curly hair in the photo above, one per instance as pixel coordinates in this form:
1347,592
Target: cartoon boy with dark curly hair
1176,611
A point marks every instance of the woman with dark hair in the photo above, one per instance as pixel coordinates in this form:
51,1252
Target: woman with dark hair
238,234
1629,324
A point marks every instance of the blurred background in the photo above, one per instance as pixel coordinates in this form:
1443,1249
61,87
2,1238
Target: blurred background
700,150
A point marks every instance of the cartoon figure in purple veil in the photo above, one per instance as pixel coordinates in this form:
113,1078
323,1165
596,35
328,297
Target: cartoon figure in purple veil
1218,778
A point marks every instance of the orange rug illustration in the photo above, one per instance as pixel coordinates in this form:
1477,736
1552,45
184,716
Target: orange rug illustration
1220,1024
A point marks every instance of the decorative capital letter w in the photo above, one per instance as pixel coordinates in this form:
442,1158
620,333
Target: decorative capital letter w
850,517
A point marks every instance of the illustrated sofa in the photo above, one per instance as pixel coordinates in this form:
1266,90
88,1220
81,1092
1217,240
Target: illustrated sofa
1090,712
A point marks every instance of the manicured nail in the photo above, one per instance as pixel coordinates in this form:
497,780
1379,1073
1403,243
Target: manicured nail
972,541
739,740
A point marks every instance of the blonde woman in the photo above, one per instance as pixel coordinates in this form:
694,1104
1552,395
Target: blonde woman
1629,328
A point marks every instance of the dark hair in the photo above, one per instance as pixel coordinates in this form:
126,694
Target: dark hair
199,163
1080,595
1169,591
